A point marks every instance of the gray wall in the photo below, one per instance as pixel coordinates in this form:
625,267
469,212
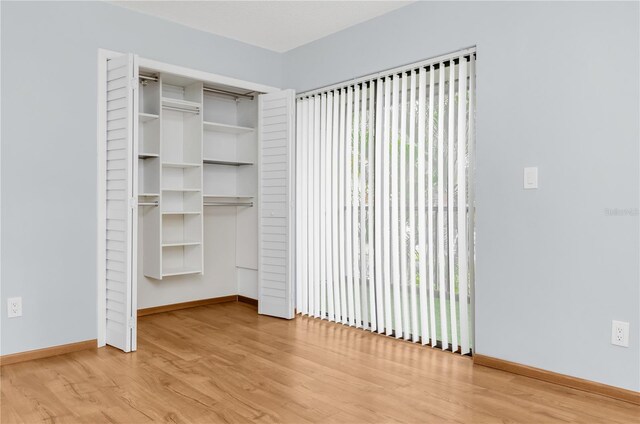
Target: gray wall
49,174
558,89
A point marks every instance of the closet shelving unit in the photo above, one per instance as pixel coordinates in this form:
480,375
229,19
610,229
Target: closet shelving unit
226,128
225,162
197,148
229,148
170,175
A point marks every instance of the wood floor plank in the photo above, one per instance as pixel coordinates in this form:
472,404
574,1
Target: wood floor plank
226,364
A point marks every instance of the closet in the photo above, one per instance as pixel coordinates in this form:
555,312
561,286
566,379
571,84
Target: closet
198,187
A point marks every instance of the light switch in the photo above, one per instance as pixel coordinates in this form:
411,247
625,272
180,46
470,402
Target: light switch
531,177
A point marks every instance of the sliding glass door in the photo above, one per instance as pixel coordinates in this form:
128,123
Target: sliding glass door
385,231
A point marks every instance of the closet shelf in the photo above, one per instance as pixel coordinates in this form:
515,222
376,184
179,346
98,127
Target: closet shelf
180,104
170,272
149,194
180,243
182,189
225,162
181,213
226,128
142,155
146,117
180,165
229,196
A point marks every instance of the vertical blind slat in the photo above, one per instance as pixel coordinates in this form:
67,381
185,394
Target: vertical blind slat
355,211
328,207
405,283
395,227
316,209
323,203
348,155
430,223
451,205
386,239
305,216
373,316
310,242
299,203
412,210
422,233
462,202
378,207
335,206
440,217
361,202
312,206
471,170
341,215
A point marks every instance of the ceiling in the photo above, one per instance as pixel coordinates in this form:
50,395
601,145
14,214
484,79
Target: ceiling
275,25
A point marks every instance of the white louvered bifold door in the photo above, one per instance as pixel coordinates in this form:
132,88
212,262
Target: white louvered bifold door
275,203
121,201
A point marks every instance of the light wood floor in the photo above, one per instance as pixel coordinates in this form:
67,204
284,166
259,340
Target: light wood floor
224,363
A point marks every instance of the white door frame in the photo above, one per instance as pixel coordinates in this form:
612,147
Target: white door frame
103,56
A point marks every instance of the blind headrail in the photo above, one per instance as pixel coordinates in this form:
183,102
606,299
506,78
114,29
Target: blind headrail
394,71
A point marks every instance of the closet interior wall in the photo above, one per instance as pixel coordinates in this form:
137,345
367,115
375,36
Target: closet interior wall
196,149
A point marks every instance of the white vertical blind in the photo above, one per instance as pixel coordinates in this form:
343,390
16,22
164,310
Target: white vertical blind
348,149
341,208
470,198
322,225
364,293
422,233
355,212
299,192
444,337
303,201
430,225
386,218
335,229
373,315
385,202
316,206
461,203
310,208
395,227
380,308
404,282
450,207
329,208
412,209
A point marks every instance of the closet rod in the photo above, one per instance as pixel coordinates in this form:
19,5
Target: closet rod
227,93
148,77
148,203
179,109
250,204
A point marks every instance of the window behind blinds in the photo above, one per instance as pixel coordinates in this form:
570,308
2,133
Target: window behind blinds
385,211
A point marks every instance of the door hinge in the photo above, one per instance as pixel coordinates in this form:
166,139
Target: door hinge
134,83
132,202
131,323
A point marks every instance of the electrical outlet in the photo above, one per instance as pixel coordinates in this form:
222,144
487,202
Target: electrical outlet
620,333
14,307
